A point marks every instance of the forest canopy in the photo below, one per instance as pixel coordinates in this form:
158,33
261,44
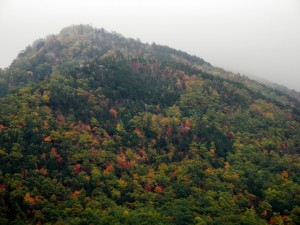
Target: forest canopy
96,128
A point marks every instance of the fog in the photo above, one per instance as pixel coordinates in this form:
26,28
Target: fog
252,37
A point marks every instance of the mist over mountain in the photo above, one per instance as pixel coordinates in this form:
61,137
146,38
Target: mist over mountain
96,128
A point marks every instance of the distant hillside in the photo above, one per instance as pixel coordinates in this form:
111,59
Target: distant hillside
96,128
277,87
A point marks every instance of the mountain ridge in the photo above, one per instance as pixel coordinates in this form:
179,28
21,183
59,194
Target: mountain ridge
158,51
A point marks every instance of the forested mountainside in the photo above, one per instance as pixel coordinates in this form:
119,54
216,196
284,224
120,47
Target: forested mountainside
99,129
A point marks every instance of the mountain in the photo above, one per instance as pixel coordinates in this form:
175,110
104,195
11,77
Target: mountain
96,128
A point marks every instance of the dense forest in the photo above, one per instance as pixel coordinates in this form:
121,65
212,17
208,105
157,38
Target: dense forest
96,128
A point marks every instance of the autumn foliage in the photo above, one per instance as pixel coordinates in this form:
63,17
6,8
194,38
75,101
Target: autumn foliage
113,112
99,129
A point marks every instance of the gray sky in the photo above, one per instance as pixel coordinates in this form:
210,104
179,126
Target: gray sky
253,37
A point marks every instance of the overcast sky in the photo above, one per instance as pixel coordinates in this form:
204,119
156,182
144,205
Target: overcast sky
253,37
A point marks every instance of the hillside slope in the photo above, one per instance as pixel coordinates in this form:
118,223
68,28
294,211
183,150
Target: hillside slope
99,129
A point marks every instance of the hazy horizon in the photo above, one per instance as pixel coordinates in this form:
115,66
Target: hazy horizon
258,38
